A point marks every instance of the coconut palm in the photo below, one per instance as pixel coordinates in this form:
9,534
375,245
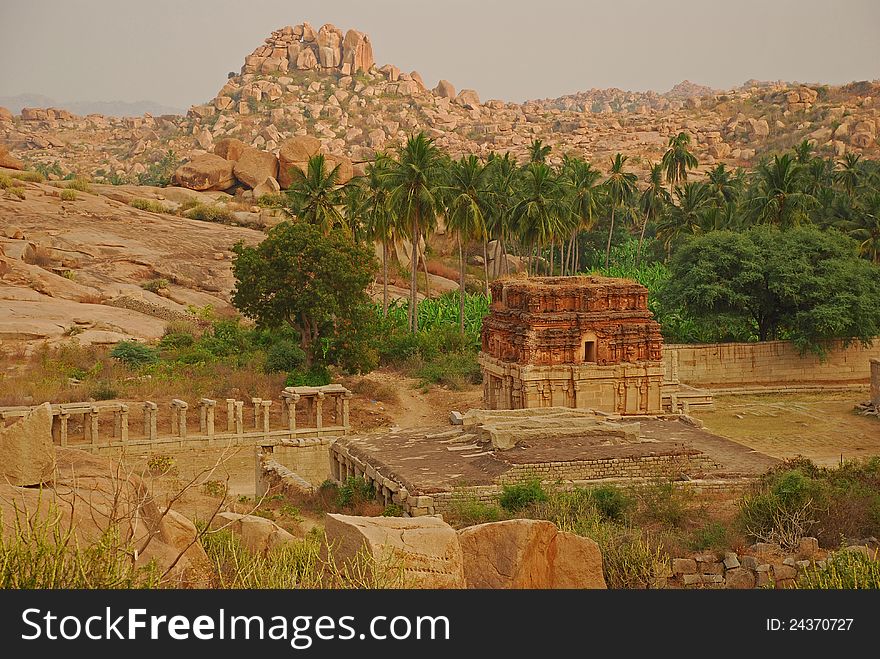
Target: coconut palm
849,174
724,184
314,196
652,203
376,215
620,187
538,209
803,152
502,172
778,196
687,215
863,224
467,201
413,181
678,159
581,182
538,151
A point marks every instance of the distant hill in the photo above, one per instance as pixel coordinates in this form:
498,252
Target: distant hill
111,108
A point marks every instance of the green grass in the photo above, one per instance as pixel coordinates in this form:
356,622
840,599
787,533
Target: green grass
79,184
518,496
846,569
68,195
149,205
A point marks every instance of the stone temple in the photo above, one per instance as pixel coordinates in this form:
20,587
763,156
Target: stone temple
581,342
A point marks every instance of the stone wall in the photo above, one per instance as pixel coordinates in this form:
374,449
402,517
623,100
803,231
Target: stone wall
875,382
310,460
771,363
650,466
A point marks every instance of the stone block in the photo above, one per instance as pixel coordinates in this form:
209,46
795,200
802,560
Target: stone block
28,454
739,578
808,547
731,561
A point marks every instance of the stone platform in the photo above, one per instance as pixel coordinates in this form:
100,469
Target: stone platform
423,469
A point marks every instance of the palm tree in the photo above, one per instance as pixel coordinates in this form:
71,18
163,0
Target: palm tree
413,181
863,224
466,215
849,175
314,196
724,185
652,202
377,216
778,197
803,152
678,160
620,187
538,209
502,179
581,182
538,151
688,214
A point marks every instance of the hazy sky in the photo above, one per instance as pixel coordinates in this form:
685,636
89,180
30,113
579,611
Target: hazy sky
179,52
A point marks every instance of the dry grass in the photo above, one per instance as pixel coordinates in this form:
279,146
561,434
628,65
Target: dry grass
442,270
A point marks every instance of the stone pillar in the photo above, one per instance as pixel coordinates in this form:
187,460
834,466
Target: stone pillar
239,420
63,418
319,411
256,403
206,417
230,415
265,404
92,425
875,382
178,418
288,402
261,487
346,397
150,426
121,424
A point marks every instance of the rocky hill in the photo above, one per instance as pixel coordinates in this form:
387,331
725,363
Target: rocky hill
324,83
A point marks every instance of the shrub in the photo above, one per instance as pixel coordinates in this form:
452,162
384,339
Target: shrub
149,205
455,371
154,285
210,213
79,184
134,354
177,341
847,569
393,510
284,355
468,510
16,191
611,502
317,376
215,488
68,195
30,177
160,173
161,464
355,490
518,496
662,502
713,535
104,391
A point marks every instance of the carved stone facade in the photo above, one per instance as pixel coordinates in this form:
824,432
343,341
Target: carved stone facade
584,342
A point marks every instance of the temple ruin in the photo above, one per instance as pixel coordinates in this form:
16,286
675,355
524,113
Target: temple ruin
585,342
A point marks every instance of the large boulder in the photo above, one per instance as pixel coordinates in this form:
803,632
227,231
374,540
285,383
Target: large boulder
306,60
230,148
207,172
267,187
6,117
525,553
445,89
329,42
254,166
27,450
426,549
345,170
468,97
357,51
295,152
257,534
8,160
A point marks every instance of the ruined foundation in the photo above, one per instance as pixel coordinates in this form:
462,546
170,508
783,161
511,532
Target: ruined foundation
581,342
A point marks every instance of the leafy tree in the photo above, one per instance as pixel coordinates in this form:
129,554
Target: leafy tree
581,182
310,280
801,284
502,181
538,151
376,215
778,196
538,209
653,202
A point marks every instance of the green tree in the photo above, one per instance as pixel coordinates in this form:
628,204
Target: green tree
687,215
581,182
653,203
620,186
849,174
538,151
801,284
539,206
778,196
376,214
678,159
310,280
502,174
314,196
414,182
466,215
862,222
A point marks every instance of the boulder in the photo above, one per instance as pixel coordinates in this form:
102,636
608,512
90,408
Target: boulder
468,97
357,51
345,171
207,172
391,72
27,449
8,160
230,148
426,549
257,534
445,89
254,166
295,152
417,78
306,60
269,186
525,553
6,117
329,42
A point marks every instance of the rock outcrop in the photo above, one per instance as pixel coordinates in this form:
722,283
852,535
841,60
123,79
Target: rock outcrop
525,553
253,167
257,534
426,549
295,152
8,160
207,172
28,454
